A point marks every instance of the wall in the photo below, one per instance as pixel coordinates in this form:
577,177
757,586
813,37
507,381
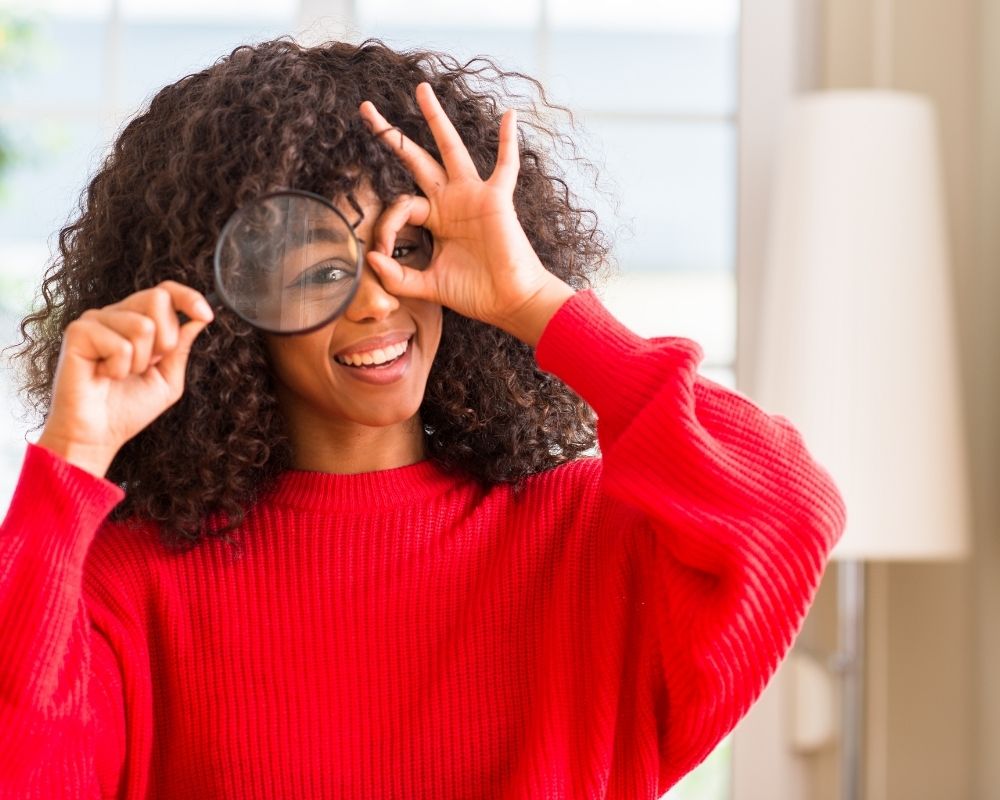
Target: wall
986,383
932,715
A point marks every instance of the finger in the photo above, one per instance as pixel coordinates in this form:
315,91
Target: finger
162,302
427,172
508,155
173,365
139,329
402,281
407,209
190,301
108,353
158,304
455,155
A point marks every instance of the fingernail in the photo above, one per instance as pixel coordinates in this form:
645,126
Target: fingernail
205,310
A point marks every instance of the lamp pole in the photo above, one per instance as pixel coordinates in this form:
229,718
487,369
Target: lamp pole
850,662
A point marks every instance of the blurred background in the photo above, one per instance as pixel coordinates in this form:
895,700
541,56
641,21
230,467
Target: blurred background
682,105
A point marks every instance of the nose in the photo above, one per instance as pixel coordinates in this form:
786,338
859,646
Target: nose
372,301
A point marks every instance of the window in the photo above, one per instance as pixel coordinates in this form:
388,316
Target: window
653,86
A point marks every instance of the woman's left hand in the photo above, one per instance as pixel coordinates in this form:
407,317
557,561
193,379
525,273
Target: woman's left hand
483,265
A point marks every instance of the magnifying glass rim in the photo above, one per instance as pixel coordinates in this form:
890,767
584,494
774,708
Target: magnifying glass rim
217,258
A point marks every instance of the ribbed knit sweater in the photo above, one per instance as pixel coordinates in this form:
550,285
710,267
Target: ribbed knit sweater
410,633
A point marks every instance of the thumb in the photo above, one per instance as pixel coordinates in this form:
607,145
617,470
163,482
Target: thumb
402,281
173,365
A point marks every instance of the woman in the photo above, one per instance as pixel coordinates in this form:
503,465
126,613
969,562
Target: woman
241,564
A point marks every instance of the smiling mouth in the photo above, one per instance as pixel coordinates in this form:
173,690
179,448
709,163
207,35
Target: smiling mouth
379,358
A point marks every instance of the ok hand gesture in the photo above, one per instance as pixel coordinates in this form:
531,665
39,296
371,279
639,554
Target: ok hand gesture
483,265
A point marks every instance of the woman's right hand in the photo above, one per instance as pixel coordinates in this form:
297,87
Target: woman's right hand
120,367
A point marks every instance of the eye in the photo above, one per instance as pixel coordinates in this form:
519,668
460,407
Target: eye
413,254
323,274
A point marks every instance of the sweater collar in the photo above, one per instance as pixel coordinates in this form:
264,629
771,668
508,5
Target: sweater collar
321,491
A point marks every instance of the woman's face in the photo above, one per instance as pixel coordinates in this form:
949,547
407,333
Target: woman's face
370,365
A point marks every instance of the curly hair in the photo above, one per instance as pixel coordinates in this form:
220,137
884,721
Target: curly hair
276,115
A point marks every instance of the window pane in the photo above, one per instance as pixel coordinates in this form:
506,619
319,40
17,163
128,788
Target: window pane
676,185
505,32
377,15
64,68
14,292
63,8
711,780
52,161
700,306
513,49
231,11
686,16
155,54
725,376
12,432
644,72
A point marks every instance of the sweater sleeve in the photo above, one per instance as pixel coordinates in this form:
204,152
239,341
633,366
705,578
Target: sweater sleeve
741,518
61,707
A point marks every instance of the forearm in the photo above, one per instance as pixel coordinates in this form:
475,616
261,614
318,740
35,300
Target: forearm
738,517
45,635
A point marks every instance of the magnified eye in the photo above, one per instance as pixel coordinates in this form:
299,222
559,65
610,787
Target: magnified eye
329,272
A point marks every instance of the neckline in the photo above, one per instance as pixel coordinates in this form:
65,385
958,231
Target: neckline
386,488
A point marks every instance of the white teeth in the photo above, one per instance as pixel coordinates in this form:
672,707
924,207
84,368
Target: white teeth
374,357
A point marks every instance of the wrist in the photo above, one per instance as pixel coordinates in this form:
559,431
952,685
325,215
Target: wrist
91,458
528,322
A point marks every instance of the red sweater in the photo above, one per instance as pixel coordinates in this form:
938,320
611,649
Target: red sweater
410,634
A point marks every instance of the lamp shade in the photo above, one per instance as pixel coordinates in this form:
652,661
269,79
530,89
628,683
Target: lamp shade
857,342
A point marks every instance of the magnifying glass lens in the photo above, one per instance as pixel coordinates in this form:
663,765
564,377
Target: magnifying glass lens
287,262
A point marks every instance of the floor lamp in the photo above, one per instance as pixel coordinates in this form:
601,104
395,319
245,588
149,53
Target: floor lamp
858,346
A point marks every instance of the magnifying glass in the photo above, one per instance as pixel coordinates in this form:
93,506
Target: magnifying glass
287,262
